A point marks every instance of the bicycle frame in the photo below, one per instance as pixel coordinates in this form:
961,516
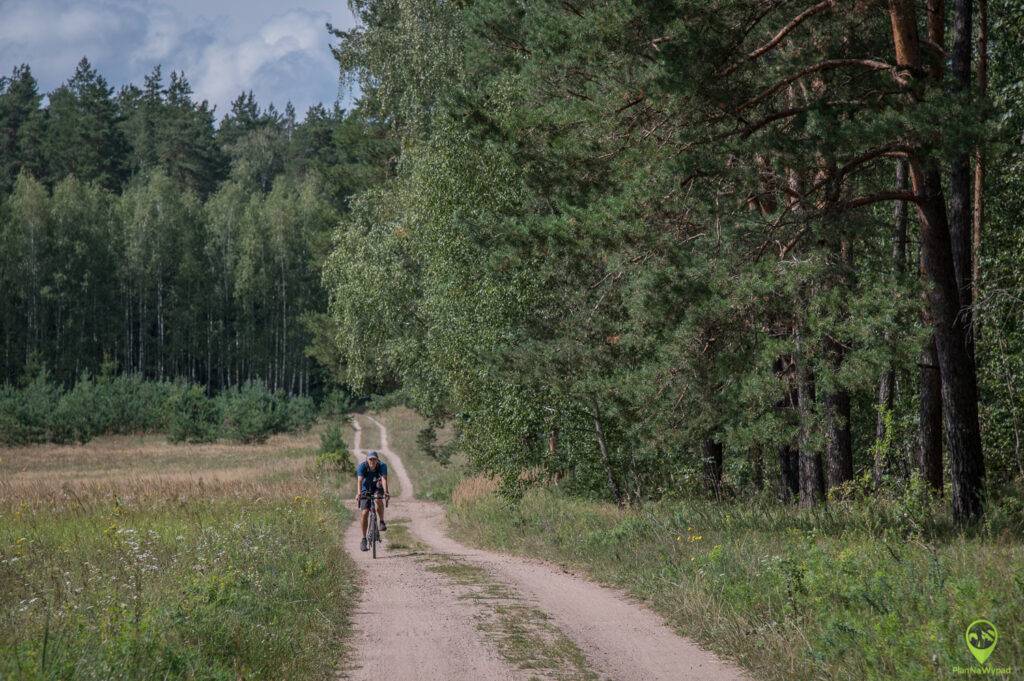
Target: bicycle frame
372,532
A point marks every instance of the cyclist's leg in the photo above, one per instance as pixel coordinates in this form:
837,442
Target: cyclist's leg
380,503
364,506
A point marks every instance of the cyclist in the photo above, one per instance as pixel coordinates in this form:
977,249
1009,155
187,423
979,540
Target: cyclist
371,477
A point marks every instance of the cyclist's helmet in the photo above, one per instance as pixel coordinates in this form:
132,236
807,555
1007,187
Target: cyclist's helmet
373,455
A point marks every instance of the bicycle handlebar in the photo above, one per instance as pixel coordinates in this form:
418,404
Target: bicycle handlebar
385,497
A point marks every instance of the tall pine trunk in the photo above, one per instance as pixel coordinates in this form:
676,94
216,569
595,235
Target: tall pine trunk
956,366
836,402
713,467
789,463
979,165
961,221
812,481
929,446
887,384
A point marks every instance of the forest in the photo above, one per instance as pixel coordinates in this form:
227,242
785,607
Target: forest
642,249
685,248
139,229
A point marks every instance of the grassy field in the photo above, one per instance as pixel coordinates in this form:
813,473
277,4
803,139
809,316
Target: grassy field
853,592
130,558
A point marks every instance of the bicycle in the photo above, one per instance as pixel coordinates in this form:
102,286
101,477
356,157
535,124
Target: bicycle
372,530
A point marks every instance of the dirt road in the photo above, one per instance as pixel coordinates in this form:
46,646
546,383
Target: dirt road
433,608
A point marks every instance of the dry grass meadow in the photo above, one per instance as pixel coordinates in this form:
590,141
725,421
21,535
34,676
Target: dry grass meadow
132,558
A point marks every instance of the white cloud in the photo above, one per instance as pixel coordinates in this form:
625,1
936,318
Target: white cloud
278,49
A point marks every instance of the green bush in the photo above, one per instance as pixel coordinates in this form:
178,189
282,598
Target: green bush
42,411
301,414
333,448
13,430
193,416
80,414
25,414
338,404
252,413
132,404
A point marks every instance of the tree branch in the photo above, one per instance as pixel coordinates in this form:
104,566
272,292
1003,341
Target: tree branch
799,19
910,197
826,65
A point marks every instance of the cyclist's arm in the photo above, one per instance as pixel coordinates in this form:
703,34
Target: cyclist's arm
359,485
385,479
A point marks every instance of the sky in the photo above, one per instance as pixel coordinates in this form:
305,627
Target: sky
277,48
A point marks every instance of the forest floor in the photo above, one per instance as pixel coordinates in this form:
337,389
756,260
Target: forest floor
434,608
133,558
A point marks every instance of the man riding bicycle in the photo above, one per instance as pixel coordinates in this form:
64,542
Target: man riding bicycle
371,478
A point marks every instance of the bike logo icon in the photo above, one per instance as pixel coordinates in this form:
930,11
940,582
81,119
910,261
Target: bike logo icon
981,637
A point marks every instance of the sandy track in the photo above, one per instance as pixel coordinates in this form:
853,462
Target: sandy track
410,623
621,639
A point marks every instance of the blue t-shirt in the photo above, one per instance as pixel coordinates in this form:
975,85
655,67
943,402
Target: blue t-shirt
371,478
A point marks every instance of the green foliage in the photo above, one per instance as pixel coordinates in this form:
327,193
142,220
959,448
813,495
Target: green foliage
209,589
748,579
194,417
300,414
137,228
131,404
333,448
338,404
25,414
77,416
251,413
41,411
608,223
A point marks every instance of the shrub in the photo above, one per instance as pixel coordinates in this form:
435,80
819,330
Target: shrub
13,430
252,413
193,416
25,414
333,448
42,411
135,405
80,414
338,404
301,414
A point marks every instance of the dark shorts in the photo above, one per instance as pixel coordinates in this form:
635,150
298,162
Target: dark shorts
364,503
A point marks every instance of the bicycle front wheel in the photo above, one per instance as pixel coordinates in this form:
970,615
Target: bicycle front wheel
373,535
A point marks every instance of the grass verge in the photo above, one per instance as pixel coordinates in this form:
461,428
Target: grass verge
787,596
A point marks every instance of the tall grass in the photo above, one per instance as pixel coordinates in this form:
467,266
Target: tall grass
221,573
790,594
